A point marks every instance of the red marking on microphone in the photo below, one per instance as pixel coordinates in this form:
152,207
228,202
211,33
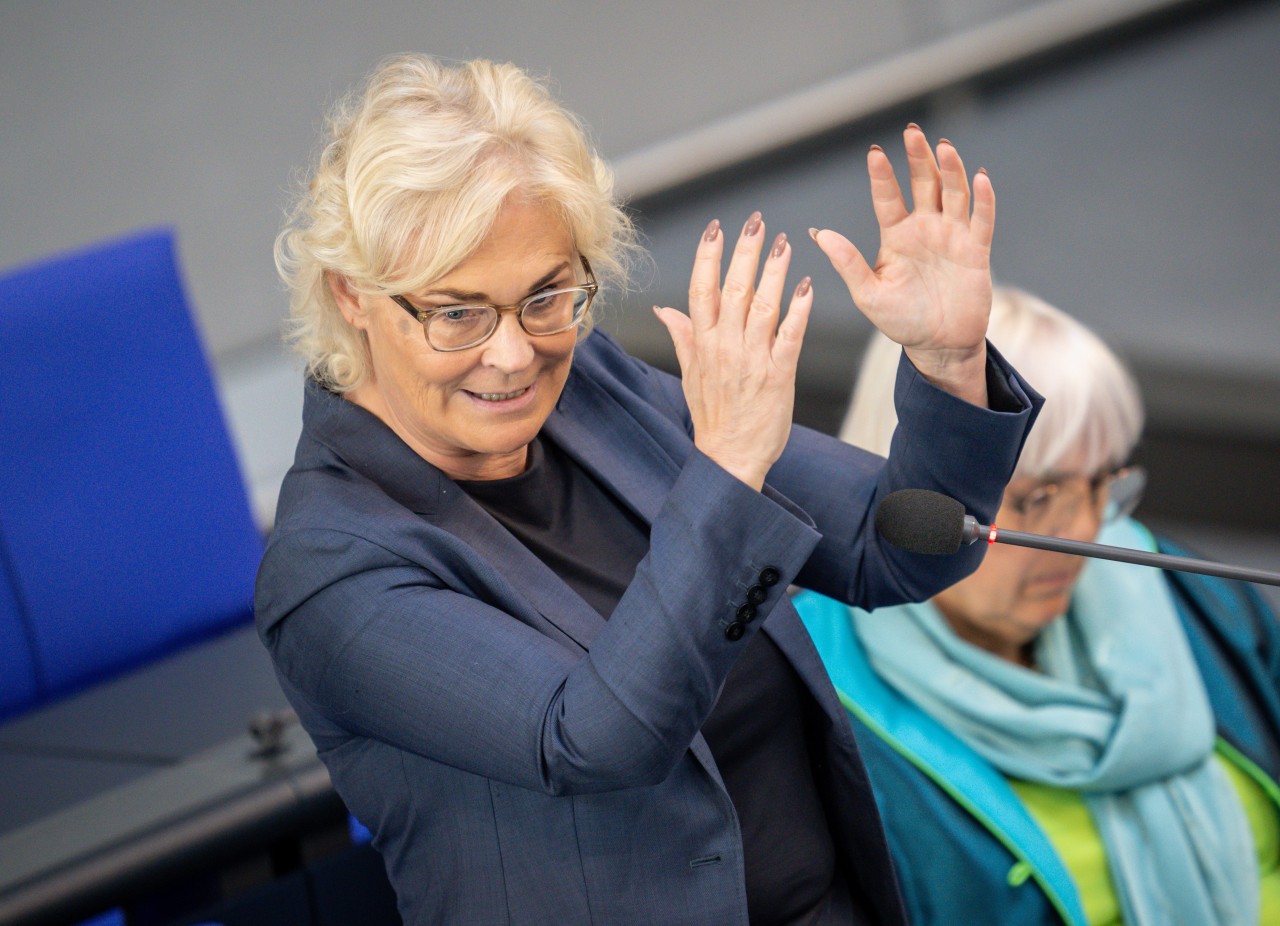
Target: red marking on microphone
991,534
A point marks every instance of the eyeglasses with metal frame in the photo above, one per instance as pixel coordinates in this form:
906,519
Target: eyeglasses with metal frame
1110,496
547,312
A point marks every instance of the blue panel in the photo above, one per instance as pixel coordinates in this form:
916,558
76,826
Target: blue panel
112,917
17,660
124,511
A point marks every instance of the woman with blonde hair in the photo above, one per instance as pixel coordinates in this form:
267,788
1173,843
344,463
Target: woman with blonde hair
527,593
1055,742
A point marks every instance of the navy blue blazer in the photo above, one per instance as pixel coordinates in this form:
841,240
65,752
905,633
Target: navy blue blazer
521,760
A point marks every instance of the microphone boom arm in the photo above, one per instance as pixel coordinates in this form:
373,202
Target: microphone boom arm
974,531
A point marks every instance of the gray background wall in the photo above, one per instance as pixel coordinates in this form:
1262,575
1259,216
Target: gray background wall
1135,170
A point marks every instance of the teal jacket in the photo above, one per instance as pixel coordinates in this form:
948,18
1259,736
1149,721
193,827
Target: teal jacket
966,849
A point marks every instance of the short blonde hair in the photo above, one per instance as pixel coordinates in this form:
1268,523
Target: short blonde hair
415,169
1092,415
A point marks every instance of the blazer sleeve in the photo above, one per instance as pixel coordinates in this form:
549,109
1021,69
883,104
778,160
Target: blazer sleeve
942,443
388,648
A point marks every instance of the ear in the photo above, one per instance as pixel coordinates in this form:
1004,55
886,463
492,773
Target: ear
350,302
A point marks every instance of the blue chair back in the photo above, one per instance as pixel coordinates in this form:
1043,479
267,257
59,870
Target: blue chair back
125,529
17,668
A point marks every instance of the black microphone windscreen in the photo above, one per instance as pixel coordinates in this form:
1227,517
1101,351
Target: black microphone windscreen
921,521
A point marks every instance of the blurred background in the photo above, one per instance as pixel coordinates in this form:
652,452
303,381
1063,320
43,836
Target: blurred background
1134,147
1132,144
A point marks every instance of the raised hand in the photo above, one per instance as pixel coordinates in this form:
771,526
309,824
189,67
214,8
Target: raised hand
738,363
930,288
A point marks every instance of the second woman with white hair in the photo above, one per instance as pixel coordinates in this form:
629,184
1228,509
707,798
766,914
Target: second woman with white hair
1051,742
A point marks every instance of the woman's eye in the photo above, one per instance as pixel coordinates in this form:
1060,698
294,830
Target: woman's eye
1035,502
459,314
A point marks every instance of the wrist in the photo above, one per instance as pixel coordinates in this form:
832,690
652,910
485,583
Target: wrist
749,471
962,373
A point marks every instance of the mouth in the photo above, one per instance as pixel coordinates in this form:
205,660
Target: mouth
499,396
1049,585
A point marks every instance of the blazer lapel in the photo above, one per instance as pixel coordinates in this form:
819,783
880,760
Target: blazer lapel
371,448
601,434
530,582
596,430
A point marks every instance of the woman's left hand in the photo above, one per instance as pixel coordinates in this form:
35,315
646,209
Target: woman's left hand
930,288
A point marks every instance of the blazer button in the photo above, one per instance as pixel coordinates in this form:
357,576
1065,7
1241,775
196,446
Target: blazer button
769,576
747,613
733,633
756,595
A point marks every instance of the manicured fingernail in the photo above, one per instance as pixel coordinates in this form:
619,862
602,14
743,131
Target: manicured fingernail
803,288
912,125
813,233
876,148
983,170
753,225
944,141
779,245
713,229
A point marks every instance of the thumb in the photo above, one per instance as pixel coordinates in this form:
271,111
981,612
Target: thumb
680,328
845,258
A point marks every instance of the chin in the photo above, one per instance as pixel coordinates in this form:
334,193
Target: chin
510,439
1046,613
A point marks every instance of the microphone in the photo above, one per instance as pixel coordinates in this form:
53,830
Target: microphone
921,521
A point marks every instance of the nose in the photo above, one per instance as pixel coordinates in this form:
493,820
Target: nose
508,348
1078,521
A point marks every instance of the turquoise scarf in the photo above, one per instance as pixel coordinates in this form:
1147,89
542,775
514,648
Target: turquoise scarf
1118,712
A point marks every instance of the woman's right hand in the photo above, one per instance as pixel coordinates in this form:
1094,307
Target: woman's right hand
737,362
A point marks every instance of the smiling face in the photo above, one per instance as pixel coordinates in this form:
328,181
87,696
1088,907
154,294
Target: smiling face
473,412
1017,591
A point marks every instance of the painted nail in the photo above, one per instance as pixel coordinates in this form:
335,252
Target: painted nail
713,229
753,225
803,288
779,245
813,233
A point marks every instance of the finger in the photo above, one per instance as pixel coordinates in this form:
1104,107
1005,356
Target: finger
886,195
955,183
680,327
762,319
847,261
786,347
740,279
983,223
925,184
704,282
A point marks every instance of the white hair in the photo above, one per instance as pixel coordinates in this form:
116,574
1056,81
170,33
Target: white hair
1092,415
415,170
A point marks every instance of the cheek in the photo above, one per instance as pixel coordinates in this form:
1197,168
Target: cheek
556,354
403,361
388,339
439,373
997,585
